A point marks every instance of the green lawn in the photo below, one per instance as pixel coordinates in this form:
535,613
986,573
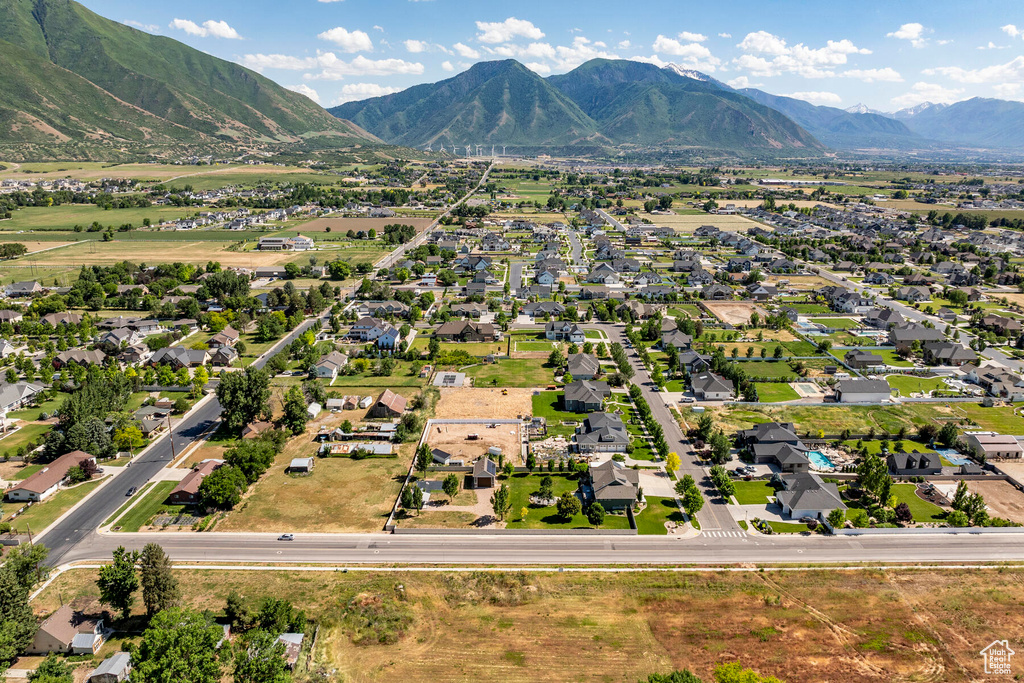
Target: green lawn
651,520
753,492
909,445
42,515
153,502
680,311
32,414
512,372
773,369
892,358
772,392
141,492
837,323
787,527
422,343
533,346
999,419
548,404
28,433
522,485
27,471
922,510
807,309
908,384
402,376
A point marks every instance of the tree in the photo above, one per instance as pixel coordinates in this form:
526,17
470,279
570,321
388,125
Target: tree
568,505
705,425
128,438
450,485
960,497
555,358
672,462
295,413
947,435
679,676
423,458
693,501
547,487
735,673
903,513
223,488
53,669
17,623
836,518
117,581
258,658
501,501
178,647
721,447
160,589
531,461
595,514
244,397
873,475
957,518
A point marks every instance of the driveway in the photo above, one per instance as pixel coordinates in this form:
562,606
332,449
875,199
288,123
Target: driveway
657,484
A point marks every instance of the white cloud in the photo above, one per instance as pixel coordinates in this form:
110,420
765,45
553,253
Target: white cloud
209,29
466,51
416,46
1012,71
692,37
914,32
148,28
582,50
348,41
504,31
741,82
816,97
259,62
538,67
330,0
926,92
769,55
1007,91
624,44
1011,30
693,55
532,51
334,69
887,75
361,91
992,46
377,27
725,35
305,89
447,66
653,59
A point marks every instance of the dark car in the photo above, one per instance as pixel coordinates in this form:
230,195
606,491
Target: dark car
132,491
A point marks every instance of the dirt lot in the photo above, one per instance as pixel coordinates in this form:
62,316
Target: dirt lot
1002,497
734,312
799,281
484,403
152,251
687,223
452,439
343,225
823,626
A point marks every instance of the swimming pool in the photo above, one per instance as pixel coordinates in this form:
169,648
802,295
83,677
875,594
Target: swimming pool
819,461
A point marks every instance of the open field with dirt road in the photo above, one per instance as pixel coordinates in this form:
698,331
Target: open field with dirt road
343,225
803,627
151,251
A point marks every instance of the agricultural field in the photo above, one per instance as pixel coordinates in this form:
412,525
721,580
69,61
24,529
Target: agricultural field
530,627
152,251
66,216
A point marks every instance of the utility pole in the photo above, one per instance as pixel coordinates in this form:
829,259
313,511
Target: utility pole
170,435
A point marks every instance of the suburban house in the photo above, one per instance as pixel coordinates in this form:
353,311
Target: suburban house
707,386
804,494
18,395
948,353
187,490
1006,327
676,340
223,356
254,429
585,396
903,336
389,404
602,433
45,482
613,485
484,473
535,308
330,365
226,337
468,331
883,318
776,443
862,360
81,357
583,366
564,330
694,361
20,289
914,464
180,357
862,391
60,631
993,446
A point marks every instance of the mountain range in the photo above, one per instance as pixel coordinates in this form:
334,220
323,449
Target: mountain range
75,84
625,103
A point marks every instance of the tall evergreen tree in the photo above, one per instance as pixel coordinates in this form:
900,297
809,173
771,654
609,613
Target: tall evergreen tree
160,589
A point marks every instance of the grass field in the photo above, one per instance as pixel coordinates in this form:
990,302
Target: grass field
753,492
808,309
772,369
511,372
773,392
141,492
27,471
908,384
151,251
787,527
66,216
892,358
153,502
922,510
875,446
548,404
42,515
651,520
532,627
836,323
538,517
27,433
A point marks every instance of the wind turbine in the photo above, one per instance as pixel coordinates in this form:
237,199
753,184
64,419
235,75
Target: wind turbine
503,150
430,147
478,150
492,151
469,151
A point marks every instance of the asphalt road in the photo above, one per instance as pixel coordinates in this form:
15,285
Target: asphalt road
576,249
341,549
715,514
515,281
64,536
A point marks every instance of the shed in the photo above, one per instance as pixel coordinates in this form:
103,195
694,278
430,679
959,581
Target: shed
301,465
484,473
292,647
314,409
114,669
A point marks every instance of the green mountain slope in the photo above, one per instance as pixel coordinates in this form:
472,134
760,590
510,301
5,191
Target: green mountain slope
90,79
492,103
638,103
841,129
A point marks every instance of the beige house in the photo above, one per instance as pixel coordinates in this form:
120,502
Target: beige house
993,446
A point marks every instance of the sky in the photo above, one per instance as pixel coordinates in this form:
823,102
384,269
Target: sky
886,55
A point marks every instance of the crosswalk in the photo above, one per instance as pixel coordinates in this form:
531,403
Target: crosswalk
725,534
